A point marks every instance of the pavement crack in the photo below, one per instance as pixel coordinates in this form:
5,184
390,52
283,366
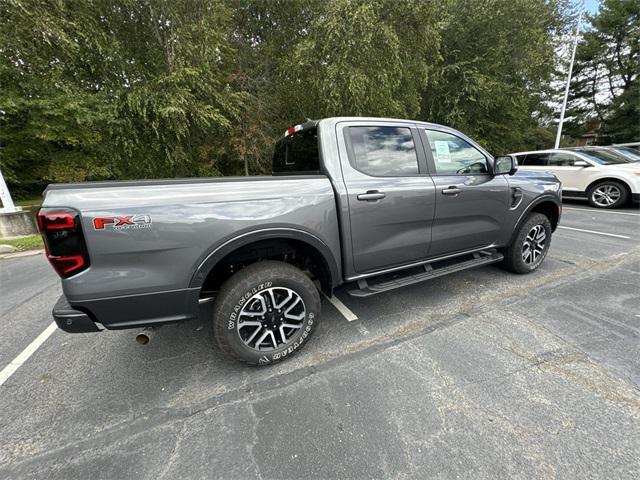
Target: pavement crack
174,451
254,439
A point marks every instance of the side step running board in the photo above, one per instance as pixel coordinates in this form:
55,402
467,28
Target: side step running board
429,271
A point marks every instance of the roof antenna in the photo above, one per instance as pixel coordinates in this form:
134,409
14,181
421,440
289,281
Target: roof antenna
297,103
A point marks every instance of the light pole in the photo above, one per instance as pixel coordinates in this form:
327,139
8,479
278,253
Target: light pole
566,88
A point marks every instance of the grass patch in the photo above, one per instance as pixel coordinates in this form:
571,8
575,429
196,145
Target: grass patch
29,202
31,242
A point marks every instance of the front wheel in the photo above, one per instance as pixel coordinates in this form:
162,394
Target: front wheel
530,246
266,312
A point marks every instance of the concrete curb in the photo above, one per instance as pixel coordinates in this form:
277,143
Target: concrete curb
26,253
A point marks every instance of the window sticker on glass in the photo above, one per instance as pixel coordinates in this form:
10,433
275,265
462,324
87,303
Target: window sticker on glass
442,151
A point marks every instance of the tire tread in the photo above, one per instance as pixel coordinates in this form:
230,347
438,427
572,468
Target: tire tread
512,254
242,281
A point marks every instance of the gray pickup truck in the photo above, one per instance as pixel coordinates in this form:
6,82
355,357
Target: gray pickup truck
376,203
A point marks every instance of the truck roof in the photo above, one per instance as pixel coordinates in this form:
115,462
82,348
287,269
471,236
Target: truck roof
379,119
309,123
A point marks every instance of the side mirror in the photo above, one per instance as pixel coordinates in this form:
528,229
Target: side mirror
581,163
505,164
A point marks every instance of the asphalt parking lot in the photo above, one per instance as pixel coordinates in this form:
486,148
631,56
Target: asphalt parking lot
481,374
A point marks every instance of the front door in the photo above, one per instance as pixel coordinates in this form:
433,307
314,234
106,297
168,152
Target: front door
471,203
391,196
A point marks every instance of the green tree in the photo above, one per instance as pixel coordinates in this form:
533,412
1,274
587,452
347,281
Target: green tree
340,57
497,62
374,63
605,85
97,89
107,89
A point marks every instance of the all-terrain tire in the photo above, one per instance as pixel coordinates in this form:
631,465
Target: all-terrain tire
263,287
537,226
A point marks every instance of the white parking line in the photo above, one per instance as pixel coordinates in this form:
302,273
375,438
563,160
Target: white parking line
594,232
601,211
26,353
342,308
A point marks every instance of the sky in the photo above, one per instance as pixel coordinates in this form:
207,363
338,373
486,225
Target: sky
591,6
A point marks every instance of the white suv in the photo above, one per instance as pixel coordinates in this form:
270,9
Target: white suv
604,177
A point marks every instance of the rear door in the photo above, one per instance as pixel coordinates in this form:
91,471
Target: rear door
390,194
471,203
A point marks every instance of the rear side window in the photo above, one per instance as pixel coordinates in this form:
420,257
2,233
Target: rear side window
535,160
383,151
297,153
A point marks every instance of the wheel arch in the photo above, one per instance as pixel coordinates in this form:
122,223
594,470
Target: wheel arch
624,183
278,240
548,206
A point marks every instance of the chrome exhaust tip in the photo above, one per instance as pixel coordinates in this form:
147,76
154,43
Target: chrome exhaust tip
144,337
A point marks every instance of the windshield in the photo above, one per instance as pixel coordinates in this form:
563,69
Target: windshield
630,153
602,156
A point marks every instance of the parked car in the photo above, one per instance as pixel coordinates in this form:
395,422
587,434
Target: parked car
606,178
377,203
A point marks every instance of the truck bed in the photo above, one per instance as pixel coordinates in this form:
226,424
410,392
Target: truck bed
188,219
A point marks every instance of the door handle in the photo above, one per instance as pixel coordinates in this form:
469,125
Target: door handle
371,196
451,191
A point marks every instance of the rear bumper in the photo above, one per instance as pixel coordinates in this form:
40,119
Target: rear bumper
129,311
72,320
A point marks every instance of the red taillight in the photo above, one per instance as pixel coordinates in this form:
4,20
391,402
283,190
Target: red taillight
56,220
63,240
66,265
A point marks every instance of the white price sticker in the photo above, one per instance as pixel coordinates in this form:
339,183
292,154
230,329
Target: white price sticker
442,151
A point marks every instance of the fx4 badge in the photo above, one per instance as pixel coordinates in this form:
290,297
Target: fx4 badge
122,223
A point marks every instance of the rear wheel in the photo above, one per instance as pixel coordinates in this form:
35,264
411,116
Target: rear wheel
265,313
530,246
608,194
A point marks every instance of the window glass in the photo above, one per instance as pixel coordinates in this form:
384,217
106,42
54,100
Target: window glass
630,153
535,160
561,160
454,156
520,159
297,153
603,157
384,151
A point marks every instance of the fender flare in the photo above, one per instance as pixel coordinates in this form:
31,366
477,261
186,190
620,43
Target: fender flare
530,207
221,251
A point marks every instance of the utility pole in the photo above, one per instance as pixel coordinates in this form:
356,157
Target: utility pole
566,89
